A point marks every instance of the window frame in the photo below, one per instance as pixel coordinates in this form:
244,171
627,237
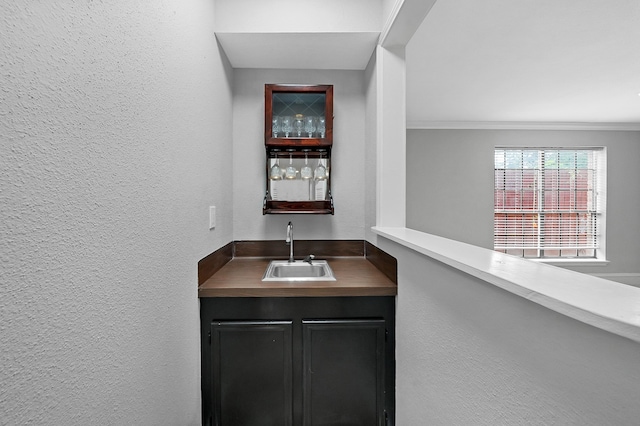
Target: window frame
599,192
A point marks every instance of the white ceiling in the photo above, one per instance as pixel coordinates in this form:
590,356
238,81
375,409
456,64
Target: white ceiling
526,61
326,50
290,34
471,63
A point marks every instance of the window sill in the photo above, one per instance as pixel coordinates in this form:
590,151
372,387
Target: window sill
571,262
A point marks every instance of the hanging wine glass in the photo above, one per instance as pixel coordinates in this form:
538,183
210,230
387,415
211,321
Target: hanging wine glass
276,172
306,173
291,172
320,182
321,171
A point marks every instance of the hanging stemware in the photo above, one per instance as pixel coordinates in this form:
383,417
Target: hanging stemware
306,173
291,172
276,172
321,171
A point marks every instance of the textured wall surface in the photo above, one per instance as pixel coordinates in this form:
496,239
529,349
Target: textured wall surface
469,353
347,179
112,148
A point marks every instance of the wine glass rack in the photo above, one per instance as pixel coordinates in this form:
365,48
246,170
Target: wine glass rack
298,132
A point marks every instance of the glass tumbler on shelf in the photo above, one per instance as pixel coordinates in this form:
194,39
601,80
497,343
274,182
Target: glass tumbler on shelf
321,128
309,126
298,125
286,126
275,126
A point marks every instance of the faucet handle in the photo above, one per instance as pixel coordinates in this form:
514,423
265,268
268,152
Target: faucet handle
289,233
309,258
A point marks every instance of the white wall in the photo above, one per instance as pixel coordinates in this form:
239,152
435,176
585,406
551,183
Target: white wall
450,185
114,126
391,144
347,162
469,353
370,154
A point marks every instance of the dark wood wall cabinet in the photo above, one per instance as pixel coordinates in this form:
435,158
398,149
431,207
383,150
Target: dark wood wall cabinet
298,135
298,361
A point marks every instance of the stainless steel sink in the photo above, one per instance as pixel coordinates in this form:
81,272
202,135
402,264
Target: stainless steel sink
283,270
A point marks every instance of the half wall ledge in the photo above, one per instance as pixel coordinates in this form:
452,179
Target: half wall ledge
608,305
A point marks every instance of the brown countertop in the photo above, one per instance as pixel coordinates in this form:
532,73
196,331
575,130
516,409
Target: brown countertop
242,277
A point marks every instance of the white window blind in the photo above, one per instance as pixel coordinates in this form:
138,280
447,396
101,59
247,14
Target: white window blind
548,202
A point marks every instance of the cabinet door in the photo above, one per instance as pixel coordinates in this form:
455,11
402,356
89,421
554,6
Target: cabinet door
252,373
343,372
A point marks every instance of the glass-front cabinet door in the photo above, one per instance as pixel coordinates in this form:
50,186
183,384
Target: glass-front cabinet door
298,115
298,142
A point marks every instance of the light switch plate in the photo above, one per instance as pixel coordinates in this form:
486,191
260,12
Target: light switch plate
212,217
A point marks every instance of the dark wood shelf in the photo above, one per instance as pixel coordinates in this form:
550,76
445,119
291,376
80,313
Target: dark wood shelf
285,143
298,207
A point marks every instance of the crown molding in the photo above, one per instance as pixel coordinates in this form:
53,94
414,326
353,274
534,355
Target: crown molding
516,125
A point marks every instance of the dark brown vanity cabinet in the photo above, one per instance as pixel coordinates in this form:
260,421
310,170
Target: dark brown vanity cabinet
324,361
298,137
251,372
343,372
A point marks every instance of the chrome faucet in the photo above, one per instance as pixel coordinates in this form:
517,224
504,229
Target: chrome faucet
289,241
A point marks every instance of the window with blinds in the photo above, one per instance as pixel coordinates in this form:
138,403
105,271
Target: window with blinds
548,203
